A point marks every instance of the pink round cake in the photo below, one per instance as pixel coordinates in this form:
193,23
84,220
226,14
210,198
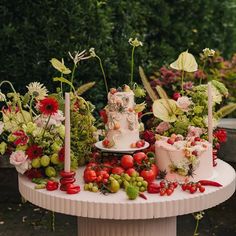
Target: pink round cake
122,124
184,159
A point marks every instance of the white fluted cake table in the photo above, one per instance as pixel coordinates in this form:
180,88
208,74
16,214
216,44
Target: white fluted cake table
115,215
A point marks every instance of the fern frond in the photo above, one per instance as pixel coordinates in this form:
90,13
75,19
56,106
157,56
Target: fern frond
146,85
83,88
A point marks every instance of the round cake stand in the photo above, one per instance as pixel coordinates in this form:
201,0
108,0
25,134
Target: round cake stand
115,215
124,150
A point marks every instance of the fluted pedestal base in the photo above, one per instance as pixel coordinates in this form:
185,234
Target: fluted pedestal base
150,227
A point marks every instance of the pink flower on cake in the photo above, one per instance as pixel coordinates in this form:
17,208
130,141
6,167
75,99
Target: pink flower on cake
162,127
194,131
183,103
19,160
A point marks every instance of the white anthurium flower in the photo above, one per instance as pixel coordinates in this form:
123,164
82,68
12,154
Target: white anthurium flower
165,110
185,62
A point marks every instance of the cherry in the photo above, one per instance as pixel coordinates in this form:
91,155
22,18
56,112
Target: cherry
169,191
202,189
184,187
162,191
162,184
193,189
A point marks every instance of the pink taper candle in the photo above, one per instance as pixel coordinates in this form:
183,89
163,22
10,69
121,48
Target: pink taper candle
67,133
210,117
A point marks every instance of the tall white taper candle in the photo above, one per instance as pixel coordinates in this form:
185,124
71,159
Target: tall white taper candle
67,133
210,117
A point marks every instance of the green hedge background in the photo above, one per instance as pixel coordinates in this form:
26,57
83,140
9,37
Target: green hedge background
32,32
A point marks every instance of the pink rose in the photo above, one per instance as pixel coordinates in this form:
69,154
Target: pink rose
194,131
19,160
162,127
183,103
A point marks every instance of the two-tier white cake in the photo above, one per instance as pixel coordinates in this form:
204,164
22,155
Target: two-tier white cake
122,125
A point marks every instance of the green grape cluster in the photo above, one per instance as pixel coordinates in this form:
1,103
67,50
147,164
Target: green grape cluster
92,187
135,180
82,129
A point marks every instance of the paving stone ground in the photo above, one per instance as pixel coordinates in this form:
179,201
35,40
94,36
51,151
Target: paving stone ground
25,219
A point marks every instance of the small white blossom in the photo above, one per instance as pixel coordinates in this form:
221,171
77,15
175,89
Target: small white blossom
199,215
208,52
78,56
92,52
135,42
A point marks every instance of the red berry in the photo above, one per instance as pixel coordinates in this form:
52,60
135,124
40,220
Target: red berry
171,186
184,187
163,184
175,184
193,143
113,90
198,185
169,191
188,186
170,141
193,189
195,153
202,189
176,96
105,142
140,144
162,191
197,139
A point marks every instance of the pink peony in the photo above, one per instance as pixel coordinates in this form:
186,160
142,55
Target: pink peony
183,103
19,160
162,127
194,131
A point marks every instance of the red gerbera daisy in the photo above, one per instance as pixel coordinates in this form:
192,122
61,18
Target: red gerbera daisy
61,154
48,106
34,151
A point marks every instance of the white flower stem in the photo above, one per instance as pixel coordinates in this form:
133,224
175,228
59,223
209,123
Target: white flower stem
103,72
44,130
132,66
72,76
196,228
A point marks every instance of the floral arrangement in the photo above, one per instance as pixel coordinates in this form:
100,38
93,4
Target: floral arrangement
186,111
32,131
31,125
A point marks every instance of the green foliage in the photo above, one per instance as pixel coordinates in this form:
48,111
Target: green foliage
32,32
